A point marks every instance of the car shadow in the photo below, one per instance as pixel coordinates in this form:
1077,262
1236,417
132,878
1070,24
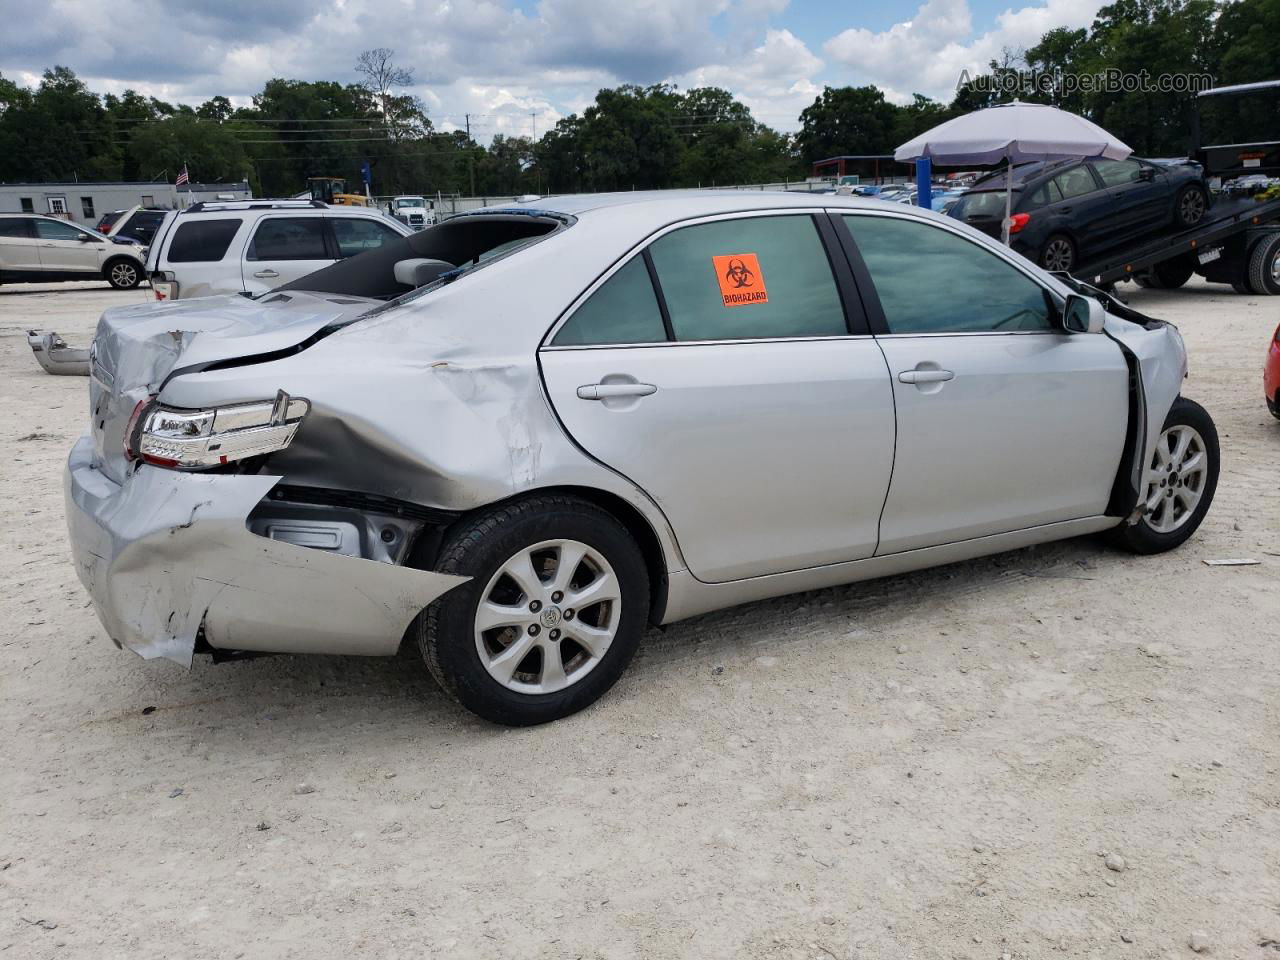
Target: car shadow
246,705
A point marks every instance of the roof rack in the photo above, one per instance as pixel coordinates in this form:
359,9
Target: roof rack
254,205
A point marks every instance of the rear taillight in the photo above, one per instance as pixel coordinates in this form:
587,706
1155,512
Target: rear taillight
1018,221
199,439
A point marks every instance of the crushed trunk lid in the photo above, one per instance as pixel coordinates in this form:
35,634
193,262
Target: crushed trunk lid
137,347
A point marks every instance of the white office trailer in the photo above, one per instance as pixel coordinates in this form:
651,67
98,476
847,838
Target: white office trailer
85,202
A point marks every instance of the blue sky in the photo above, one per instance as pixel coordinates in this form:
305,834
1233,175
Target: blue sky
520,65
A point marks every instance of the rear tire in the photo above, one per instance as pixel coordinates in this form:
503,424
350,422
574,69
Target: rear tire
1190,205
1178,488
123,274
1169,275
1264,266
1058,253
518,599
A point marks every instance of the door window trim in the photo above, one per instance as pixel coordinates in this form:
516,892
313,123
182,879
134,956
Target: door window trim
846,289
871,298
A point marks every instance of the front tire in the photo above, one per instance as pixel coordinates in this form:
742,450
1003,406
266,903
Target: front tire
554,611
1178,484
122,274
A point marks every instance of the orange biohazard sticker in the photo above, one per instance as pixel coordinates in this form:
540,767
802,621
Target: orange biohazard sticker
740,278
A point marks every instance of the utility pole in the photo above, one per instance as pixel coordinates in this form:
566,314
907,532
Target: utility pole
533,120
468,119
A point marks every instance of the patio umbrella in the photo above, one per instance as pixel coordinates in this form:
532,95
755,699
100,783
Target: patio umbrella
1014,132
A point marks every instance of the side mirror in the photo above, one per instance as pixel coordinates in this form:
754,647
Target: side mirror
85,238
1083,315
1146,174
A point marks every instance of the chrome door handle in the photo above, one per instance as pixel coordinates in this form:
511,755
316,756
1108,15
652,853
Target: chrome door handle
607,391
925,376
266,274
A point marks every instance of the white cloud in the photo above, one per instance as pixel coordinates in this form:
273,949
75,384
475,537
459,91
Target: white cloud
498,62
776,79
927,53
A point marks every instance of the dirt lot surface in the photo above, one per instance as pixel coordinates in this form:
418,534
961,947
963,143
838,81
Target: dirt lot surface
1063,751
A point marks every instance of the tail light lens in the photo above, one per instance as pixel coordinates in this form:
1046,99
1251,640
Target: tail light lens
1018,221
200,439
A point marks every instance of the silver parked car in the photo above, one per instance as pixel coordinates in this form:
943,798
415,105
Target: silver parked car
521,435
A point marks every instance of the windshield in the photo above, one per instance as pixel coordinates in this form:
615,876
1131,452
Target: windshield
410,202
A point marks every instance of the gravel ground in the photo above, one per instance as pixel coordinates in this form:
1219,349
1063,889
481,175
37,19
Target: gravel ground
1063,751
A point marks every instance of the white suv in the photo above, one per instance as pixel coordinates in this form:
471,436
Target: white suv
252,246
36,249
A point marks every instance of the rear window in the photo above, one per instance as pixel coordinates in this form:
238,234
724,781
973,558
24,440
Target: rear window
979,206
202,241
14,227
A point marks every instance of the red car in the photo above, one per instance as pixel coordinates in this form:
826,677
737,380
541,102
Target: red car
1271,376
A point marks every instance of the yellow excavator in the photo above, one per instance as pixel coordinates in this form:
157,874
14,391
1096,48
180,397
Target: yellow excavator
333,191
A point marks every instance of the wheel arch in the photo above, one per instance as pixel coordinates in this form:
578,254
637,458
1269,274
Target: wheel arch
631,517
115,258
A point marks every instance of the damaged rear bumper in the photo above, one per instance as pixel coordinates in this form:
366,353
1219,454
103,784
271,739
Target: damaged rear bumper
167,553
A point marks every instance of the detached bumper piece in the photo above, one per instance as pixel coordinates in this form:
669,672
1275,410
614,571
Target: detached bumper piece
56,357
169,553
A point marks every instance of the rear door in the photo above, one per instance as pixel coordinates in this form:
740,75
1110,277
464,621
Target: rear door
283,249
65,248
1081,206
717,369
18,244
1004,421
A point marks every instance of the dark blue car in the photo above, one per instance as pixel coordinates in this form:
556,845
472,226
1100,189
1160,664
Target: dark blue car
1069,212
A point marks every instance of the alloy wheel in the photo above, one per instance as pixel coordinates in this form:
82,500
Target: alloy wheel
124,275
1176,478
1191,209
547,616
1058,255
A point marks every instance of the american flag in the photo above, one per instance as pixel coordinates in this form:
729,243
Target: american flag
182,177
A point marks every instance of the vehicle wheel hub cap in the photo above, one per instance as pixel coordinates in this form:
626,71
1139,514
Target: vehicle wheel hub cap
1176,479
547,616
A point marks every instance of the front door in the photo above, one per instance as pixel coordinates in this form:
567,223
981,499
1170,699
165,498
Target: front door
284,249
63,251
1004,421
717,370
1139,201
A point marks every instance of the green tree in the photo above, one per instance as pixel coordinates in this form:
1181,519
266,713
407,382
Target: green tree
846,121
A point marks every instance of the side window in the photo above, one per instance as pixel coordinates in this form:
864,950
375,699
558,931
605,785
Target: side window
967,289
748,278
202,241
356,236
623,310
1076,182
289,238
14,227
1117,173
1047,193
56,230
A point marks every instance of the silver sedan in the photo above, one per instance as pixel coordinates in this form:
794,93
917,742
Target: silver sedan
519,436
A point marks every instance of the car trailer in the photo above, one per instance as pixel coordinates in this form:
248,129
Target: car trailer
1237,242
